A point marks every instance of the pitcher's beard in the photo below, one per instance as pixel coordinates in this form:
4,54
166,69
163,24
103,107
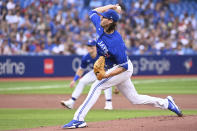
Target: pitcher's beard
106,27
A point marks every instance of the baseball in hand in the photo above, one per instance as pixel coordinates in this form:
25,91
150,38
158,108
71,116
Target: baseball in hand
118,8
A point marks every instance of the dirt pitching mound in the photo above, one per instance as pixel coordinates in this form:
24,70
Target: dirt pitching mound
161,123
53,102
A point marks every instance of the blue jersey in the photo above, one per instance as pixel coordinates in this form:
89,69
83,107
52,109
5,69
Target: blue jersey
87,60
111,46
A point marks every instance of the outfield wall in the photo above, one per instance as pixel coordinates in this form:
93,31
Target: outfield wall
59,66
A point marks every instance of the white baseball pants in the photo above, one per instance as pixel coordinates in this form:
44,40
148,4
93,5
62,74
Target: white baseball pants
88,78
125,86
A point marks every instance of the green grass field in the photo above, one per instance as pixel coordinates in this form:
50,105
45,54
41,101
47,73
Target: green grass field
146,86
30,118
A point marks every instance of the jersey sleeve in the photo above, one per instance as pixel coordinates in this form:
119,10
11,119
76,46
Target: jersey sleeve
95,18
84,63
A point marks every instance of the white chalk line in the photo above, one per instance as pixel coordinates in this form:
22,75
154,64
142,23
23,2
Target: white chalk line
67,85
35,87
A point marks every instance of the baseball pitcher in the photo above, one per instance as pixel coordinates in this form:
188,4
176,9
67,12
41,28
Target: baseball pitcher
112,51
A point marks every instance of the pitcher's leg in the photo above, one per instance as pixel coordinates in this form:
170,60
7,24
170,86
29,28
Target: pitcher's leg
95,92
90,100
128,90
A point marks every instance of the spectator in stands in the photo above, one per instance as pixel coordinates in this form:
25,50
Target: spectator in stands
149,27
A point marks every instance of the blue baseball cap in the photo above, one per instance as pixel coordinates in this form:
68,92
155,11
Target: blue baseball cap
111,14
91,43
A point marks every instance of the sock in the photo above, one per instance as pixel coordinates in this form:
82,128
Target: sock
74,99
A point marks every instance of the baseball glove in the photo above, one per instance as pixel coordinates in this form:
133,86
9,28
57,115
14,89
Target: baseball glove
116,91
99,68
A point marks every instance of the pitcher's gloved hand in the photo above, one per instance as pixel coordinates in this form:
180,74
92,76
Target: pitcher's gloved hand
99,68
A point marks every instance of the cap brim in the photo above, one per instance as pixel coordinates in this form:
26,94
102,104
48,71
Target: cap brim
90,45
103,14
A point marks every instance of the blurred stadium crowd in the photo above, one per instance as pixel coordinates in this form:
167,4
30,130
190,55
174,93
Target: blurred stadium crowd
49,27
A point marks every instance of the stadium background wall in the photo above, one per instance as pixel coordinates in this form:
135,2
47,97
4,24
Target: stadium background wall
61,66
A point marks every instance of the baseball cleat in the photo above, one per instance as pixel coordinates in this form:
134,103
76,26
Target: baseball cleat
108,105
173,107
68,104
75,124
